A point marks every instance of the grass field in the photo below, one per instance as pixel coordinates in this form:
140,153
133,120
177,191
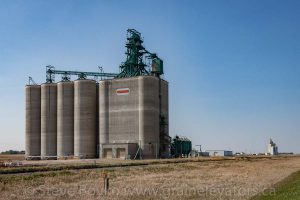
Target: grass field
219,179
287,189
11,157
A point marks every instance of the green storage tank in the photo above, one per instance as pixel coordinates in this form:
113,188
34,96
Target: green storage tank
181,147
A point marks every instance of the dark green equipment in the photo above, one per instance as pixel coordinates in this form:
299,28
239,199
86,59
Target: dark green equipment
66,75
133,66
181,147
136,54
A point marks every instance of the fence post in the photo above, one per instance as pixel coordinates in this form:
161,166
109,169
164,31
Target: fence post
105,183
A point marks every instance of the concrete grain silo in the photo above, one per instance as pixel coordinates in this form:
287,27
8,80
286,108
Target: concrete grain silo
129,117
103,112
149,116
85,119
133,107
33,122
164,118
65,119
124,116
97,119
49,121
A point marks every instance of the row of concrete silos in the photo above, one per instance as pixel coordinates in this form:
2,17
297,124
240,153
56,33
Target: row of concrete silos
61,120
83,120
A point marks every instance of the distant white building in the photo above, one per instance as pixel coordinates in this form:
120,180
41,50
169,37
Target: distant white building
272,148
219,152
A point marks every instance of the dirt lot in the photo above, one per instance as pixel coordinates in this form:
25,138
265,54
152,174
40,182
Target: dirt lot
229,179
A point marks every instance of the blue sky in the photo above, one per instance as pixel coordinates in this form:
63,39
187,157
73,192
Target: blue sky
233,66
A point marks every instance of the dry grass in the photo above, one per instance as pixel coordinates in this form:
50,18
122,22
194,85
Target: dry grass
11,157
228,179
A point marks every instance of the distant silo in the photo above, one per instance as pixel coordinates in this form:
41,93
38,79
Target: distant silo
33,122
48,121
65,119
85,119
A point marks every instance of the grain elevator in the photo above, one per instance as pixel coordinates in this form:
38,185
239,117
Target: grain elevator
123,115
